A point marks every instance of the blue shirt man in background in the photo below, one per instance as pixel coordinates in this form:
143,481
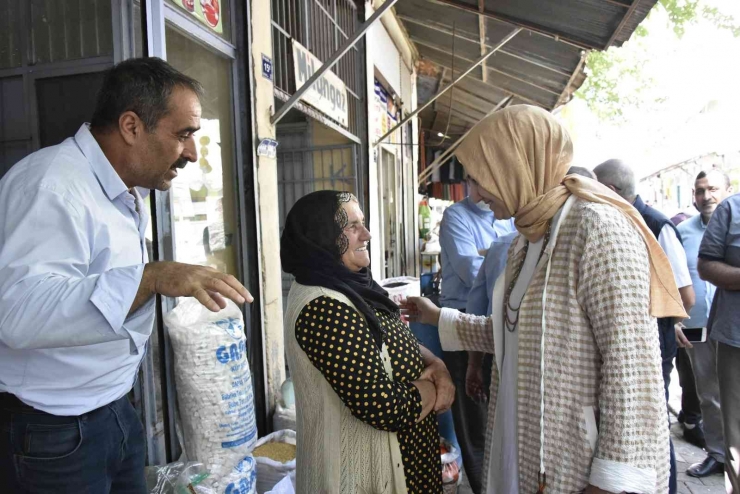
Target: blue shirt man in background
710,189
467,230
77,288
719,263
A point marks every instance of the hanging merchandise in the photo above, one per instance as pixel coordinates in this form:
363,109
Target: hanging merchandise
425,219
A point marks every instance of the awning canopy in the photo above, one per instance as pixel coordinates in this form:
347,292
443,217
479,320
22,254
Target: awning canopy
543,65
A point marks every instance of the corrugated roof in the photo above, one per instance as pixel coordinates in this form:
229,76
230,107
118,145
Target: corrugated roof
542,65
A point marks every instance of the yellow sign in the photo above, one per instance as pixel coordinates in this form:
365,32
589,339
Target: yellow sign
207,11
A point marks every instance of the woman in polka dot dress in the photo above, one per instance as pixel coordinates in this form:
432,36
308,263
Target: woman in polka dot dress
346,340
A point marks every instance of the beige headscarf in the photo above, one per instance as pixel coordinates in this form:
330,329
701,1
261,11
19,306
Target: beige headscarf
520,155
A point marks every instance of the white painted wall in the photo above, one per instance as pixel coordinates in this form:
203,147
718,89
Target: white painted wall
385,58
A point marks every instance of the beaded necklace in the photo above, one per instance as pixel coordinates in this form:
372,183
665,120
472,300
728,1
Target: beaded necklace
510,323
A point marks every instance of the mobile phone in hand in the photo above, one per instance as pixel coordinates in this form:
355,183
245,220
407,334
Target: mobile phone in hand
695,335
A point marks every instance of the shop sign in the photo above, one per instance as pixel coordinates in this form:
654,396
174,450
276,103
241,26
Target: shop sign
328,94
266,67
207,11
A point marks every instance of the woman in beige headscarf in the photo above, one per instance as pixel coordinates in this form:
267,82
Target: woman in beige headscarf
577,401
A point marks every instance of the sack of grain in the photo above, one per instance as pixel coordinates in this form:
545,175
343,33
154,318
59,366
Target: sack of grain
214,384
275,457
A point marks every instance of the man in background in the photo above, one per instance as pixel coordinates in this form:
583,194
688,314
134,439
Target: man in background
719,264
467,230
710,189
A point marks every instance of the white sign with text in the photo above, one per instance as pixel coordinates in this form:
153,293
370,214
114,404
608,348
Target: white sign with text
328,94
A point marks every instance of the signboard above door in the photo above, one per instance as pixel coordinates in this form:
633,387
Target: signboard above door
328,94
207,11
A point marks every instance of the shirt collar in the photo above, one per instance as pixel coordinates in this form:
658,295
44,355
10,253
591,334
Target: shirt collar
109,180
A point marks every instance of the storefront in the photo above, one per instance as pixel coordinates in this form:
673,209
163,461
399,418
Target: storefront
321,139
52,55
392,159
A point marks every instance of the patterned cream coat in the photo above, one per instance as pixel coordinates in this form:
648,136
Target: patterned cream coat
605,411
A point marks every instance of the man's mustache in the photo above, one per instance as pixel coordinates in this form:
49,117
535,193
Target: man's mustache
181,163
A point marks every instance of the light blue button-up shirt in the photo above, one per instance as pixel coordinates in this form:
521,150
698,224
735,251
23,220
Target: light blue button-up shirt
480,302
692,231
465,230
72,253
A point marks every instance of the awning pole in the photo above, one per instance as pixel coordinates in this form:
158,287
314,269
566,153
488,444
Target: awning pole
349,43
447,88
448,152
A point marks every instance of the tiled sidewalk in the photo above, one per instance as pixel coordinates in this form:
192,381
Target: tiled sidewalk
688,454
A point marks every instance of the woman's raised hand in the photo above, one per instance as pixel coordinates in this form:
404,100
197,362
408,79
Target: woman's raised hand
420,309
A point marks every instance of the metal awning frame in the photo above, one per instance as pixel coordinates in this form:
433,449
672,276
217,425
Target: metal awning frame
339,53
459,78
442,159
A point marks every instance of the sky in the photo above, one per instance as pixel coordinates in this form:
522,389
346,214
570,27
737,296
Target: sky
697,76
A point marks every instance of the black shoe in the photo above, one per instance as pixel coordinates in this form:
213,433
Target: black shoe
695,435
708,467
681,418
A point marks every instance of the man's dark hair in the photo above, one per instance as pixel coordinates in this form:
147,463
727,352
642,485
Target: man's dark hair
725,177
140,85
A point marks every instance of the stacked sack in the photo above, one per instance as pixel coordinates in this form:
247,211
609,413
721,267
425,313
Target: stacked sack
214,393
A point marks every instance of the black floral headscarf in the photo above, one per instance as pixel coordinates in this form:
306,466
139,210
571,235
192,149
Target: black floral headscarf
311,249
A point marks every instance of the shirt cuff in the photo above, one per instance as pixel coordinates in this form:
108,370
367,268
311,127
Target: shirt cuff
114,294
448,336
615,476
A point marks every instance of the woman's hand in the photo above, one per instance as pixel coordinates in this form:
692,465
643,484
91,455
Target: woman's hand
420,309
474,378
437,373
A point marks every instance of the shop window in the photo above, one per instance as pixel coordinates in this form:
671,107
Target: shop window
215,15
204,194
15,135
69,30
64,104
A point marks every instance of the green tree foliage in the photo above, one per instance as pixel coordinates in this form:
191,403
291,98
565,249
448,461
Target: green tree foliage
620,79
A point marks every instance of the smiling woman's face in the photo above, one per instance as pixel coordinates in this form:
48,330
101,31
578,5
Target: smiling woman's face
357,255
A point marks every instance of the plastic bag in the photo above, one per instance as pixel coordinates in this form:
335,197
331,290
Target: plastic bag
285,486
193,478
270,472
180,477
450,468
214,384
241,480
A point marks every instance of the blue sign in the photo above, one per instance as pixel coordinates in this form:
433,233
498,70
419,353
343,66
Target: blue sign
266,67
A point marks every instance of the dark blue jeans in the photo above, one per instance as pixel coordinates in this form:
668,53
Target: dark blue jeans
99,452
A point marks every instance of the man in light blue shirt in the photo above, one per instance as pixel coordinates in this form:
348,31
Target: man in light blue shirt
710,189
77,288
467,230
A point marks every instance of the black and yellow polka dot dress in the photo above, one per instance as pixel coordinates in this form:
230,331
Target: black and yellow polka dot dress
338,343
